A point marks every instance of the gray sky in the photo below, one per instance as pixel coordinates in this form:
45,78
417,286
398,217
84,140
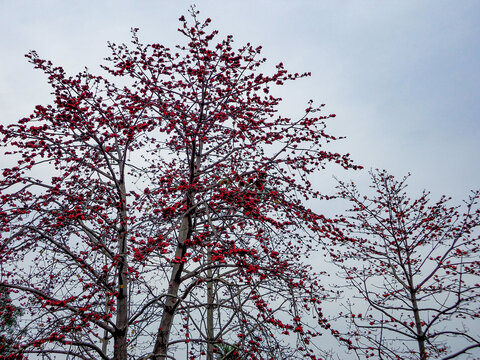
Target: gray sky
402,76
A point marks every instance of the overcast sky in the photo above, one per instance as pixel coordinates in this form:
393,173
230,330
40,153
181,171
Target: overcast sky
402,76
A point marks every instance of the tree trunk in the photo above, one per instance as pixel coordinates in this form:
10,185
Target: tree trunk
186,229
105,332
210,298
120,335
418,326
163,336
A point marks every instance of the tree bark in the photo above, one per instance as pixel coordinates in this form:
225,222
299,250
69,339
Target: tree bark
210,299
171,302
418,326
120,335
105,332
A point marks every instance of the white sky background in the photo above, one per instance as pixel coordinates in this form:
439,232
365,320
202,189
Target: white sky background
403,77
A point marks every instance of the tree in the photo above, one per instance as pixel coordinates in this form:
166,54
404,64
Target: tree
9,315
164,216
415,267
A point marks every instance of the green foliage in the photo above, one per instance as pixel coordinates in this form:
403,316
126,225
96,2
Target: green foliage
227,352
9,315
